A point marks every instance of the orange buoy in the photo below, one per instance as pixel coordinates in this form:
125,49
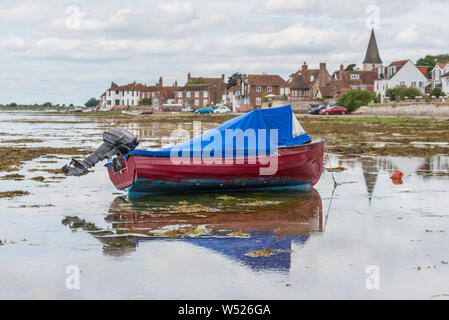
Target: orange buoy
397,181
397,175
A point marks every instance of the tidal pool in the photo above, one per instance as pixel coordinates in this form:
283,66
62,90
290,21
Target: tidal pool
369,237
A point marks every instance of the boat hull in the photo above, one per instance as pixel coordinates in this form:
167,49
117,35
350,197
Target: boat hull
297,167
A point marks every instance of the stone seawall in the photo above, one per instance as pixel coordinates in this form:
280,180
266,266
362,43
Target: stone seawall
421,110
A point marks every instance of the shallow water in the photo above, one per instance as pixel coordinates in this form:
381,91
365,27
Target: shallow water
318,244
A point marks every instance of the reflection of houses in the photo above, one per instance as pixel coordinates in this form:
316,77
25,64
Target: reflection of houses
270,227
370,174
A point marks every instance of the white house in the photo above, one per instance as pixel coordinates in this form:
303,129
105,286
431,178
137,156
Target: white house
445,83
437,72
402,73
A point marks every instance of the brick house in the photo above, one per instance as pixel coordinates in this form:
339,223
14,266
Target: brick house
344,81
256,86
199,92
304,82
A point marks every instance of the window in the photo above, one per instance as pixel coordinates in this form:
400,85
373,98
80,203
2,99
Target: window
197,102
180,94
116,92
413,84
117,102
258,101
355,76
363,87
197,94
109,92
312,77
402,83
188,94
205,94
258,88
108,102
421,84
269,88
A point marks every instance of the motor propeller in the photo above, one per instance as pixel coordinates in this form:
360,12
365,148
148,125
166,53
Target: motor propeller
117,142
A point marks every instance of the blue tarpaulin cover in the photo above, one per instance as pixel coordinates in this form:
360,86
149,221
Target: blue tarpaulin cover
225,141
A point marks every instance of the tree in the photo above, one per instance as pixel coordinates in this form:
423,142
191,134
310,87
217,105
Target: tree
351,67
354,99
92,102
48,104
146,102
200,80
399,94
430,62
13,104
437,92
233,80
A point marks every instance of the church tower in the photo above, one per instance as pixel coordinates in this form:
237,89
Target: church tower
372,57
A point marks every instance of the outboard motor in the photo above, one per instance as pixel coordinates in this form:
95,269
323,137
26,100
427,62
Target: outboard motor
117,142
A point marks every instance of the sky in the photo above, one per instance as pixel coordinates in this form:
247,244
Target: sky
69,51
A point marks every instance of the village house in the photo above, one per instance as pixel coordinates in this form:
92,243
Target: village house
402,73
258,86
303,84
200,92
445,83
132,94
346,80
440,70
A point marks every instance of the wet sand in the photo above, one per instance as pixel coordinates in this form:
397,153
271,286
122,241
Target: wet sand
253,245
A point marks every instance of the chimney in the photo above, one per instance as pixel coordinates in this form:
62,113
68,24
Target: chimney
323,74
304,67
176,83
340,74
188,77
222,76
160,81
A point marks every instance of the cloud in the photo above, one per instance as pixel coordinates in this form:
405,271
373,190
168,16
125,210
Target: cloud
123,41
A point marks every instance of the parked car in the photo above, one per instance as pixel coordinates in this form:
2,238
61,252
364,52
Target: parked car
334,110
204,110
187,109
244,108
222,109
317,108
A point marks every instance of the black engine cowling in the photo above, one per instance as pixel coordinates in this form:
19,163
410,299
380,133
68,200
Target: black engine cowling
117,142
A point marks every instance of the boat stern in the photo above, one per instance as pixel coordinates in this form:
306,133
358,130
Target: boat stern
122,172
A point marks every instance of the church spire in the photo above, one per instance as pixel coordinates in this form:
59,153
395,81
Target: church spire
372,57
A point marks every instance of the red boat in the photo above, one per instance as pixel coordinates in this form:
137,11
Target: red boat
295,160
298,166
265,148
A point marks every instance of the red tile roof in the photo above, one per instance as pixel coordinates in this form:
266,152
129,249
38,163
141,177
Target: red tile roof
423,70
266,80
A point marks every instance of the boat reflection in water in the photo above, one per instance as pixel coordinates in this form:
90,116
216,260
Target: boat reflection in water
254,228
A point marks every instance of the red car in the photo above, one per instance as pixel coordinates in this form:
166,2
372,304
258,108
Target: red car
334,110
